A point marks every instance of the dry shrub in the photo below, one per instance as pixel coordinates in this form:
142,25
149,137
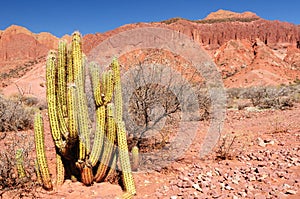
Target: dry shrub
265,97
11,186
14,115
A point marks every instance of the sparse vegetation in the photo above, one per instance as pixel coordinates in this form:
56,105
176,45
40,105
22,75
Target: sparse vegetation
210,21
14,114
274,97
17,186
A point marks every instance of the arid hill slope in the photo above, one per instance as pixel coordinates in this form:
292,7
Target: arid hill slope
248,50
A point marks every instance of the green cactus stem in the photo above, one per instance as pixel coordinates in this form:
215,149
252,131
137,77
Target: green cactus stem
108,145
51,100
61,76
20,164
124,159
40,151
99,135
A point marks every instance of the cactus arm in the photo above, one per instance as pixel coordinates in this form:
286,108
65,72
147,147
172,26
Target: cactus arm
82,104
37,172
99,135
96,84
108,145
72,115
61,76
52,106
118,90
20,164
124,159
40,151
113,165
70,67
87,175
127,195
60,170
108,86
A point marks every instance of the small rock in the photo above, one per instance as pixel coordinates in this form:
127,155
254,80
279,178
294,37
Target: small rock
209,174
228,187
259,197
291,192
197,187
251,177
243,194
260,142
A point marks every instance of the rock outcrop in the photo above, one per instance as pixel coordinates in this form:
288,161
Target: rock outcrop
243,45
18,43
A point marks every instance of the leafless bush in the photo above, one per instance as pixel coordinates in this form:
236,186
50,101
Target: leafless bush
225,150
10,183
157,95
14,115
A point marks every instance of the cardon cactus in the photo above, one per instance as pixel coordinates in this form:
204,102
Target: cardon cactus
77,156
135,158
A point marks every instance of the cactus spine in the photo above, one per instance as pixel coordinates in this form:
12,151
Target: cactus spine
70,123
20,164
60,170
40,151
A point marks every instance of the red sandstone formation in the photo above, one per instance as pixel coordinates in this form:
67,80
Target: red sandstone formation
240,44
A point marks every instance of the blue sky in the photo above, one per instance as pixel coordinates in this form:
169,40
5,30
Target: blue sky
61,17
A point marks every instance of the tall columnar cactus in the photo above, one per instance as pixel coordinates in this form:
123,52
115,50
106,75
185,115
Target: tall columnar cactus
40,151
77,156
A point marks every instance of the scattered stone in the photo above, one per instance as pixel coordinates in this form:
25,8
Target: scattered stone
291,192
260,142
228,187
259,196
197,187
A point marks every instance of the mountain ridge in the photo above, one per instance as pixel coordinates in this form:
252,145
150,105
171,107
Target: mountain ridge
226,40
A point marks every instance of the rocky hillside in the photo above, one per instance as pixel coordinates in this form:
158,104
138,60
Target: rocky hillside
247,49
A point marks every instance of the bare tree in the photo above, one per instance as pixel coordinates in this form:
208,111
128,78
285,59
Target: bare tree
155,95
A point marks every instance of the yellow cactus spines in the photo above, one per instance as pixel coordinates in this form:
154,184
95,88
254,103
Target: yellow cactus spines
99,135
72,114
76,53
108,145
37,172
96,84
83,117
127,195
108,85
51,100
117,90
20,164
124,159
87,175
60,170
70,68
112,165
40,151
61,76
70,123
135,158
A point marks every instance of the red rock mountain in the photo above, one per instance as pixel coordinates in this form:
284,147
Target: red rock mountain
247,49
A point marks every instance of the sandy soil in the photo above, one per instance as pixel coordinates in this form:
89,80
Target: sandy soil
263,162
